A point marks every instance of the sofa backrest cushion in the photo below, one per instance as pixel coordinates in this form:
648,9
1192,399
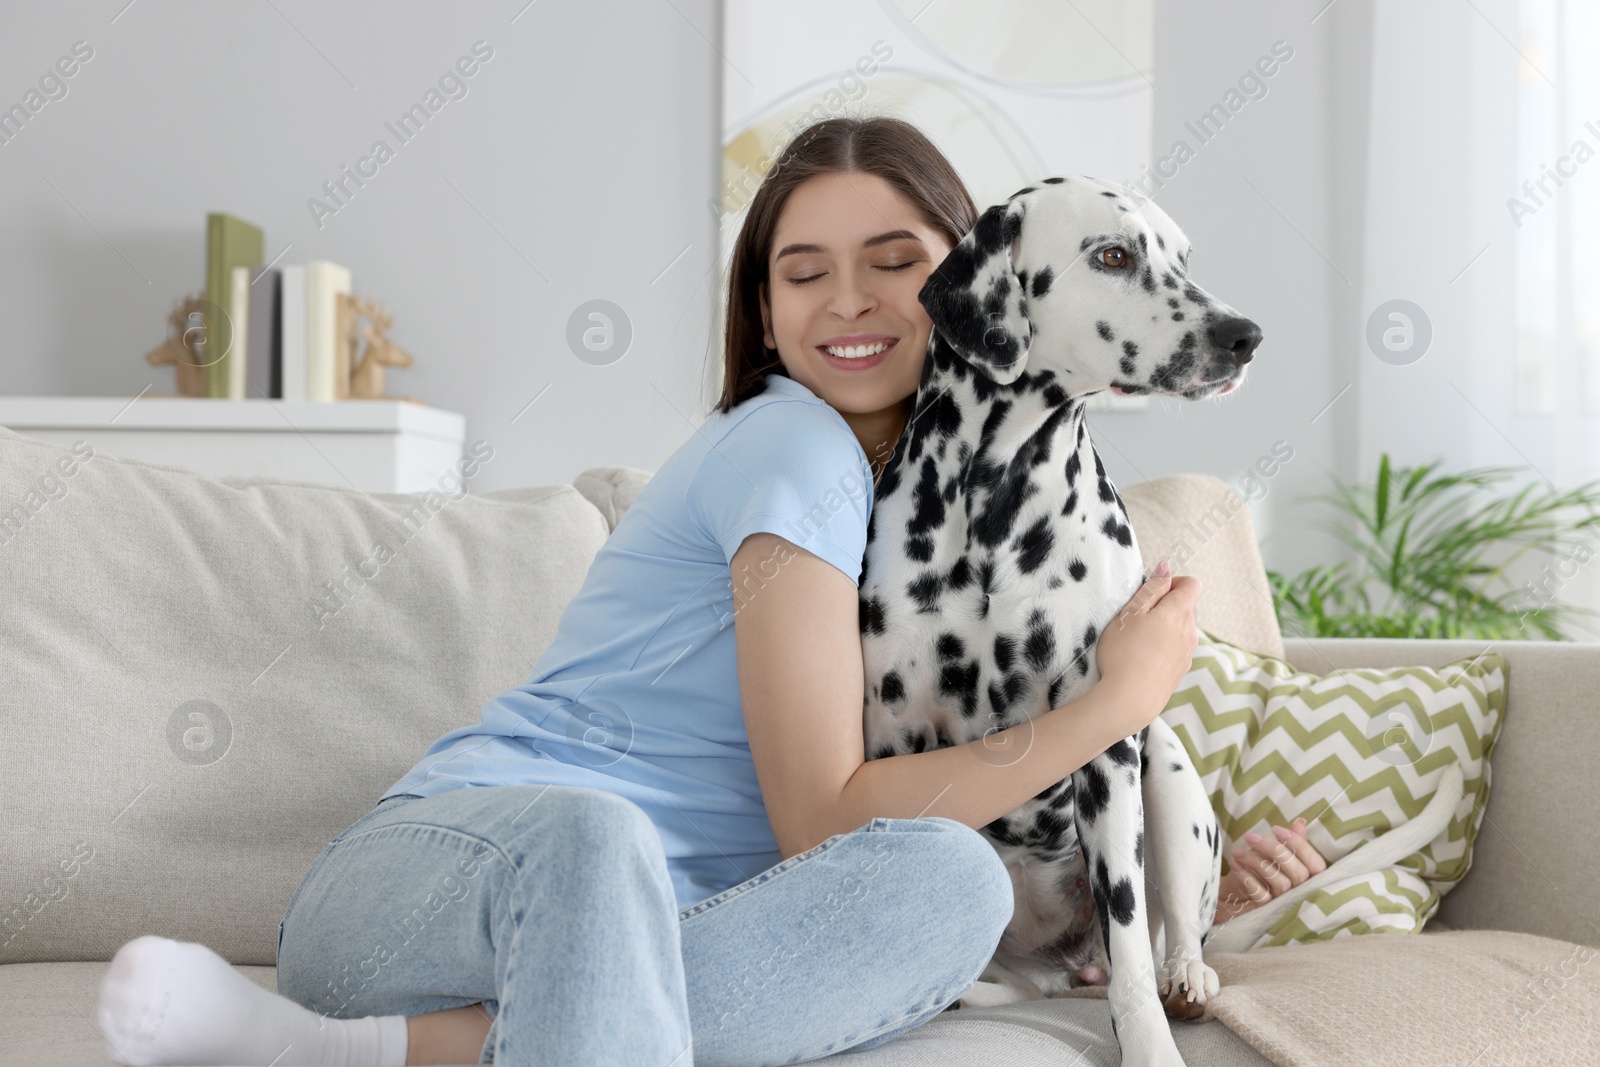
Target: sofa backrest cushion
1198,521
206,681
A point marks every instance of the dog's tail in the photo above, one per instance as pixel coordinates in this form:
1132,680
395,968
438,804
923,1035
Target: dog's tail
1242,932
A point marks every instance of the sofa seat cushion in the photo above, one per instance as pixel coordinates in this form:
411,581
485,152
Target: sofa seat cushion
1481,997
49,1008
206,681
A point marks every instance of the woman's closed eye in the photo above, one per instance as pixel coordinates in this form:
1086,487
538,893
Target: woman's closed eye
886,267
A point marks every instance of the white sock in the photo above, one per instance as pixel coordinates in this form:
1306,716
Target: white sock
179,1003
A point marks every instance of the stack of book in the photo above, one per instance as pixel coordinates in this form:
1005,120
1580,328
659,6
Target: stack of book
270,334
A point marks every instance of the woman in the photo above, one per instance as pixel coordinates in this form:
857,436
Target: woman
670,828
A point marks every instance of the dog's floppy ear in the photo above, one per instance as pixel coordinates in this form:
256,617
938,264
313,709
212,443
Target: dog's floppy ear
976,301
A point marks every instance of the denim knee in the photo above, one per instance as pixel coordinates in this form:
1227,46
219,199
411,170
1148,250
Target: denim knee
980,881
598,817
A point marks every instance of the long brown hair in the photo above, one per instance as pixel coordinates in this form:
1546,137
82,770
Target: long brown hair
891,148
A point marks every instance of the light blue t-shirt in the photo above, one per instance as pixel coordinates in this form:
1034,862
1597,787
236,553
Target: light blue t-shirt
638,693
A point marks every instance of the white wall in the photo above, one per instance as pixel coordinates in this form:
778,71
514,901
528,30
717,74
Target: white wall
1258,199
580,164
584,153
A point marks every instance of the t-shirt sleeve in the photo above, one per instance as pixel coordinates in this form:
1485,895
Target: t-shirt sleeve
791,469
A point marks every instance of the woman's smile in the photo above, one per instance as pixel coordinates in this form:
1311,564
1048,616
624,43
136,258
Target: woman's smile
855,354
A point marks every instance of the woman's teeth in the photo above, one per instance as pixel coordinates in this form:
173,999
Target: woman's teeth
857,351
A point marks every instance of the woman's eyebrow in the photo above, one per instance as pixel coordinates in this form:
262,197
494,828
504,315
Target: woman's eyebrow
870,242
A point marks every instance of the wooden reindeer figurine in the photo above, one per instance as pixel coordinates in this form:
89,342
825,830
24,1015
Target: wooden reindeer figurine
184,347
365,379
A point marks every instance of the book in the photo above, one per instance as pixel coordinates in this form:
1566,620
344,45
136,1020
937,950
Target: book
230,242
292,332
324,375
239,315
263,349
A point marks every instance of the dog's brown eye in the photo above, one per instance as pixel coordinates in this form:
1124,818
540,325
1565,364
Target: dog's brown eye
1114,257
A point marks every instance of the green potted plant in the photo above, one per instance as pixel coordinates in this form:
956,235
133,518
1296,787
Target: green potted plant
1436,546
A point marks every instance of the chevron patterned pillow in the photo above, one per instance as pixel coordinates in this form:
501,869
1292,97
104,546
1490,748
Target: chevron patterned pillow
1357,752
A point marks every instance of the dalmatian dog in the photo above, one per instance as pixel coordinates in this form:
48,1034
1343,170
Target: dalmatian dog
998,551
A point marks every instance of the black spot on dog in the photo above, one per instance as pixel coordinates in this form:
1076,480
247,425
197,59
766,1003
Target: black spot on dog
1177,768
1042,282
1196,828
1103,328
1054,181
1095,794
1122,901
1005,651
1033,547
1040,646
961,680
1138,847
1174,302
1122,753
1000,830
1177,316
894,690
1074,465
871,615
1160,243
949,647
1118,532
1053,695
1077,568
1072,502
885,752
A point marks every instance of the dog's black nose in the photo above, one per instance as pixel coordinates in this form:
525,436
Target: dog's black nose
1238,336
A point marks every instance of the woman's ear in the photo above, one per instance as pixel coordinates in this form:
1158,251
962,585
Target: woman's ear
976,301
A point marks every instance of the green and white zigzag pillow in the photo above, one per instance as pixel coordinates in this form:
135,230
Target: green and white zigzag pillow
1355,752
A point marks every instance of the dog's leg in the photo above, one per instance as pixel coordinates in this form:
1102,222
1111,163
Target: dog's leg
1109,812
999,984
1184,846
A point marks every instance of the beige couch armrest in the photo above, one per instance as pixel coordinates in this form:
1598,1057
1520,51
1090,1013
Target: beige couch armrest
1536,863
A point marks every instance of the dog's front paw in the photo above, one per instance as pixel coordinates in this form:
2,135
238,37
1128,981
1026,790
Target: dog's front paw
1187,986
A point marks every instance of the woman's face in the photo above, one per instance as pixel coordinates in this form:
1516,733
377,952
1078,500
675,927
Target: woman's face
849,256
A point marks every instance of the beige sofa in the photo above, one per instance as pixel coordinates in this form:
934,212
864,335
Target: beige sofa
206,681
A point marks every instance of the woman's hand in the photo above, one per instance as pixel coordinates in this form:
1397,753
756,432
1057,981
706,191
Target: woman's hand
1147,648
1268,870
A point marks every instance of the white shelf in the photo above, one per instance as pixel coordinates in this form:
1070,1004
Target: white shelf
390,446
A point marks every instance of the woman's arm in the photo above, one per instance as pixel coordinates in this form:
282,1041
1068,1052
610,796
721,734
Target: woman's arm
797,631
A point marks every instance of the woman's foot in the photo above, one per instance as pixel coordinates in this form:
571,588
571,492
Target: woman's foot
176,1002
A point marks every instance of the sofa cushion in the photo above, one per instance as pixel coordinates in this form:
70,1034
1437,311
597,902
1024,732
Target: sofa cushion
206,681
1198,521
1203,525
1355,752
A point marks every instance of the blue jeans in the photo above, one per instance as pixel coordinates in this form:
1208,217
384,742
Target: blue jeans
553,907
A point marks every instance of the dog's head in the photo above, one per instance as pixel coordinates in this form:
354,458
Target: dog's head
1084,278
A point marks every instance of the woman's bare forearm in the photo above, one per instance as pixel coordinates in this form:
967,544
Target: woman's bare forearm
977,782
